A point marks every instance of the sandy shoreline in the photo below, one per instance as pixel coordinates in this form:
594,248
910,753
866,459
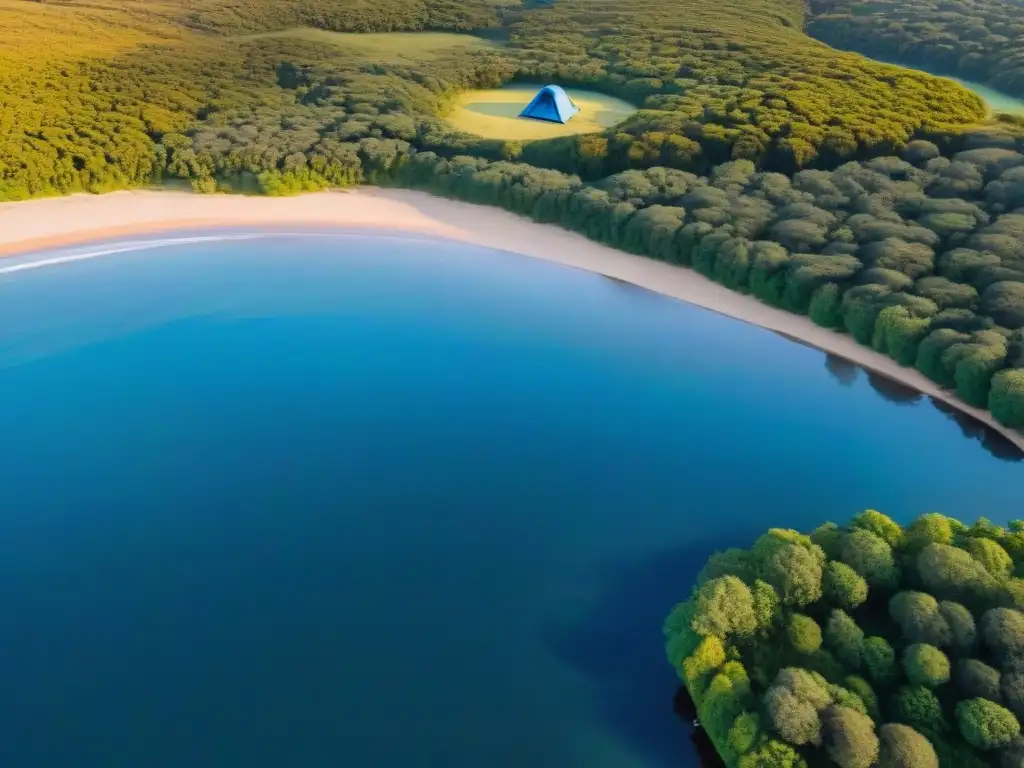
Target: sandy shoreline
45,224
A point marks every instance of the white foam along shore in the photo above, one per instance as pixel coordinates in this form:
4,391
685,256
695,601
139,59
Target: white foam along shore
46,224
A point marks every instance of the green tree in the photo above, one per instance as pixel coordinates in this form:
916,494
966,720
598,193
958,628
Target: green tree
977,680
773,754
725,606
826,305
805,684
900,746
919,708
844,697
976,364
879,660
796,574
843,586
860,308
680,639
849,737
961,625
986,725
804,633
723,701
949,572
844,638
925,665
795,719
933,358
991,556
871,557
732,562
745,732
928,529
1003,630
883,526
766,604
898,333
862,688
829,537
919,618
774,540
1006,397
708,656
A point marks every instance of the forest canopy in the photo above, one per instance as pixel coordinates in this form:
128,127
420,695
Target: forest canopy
90,91
979,40
869,644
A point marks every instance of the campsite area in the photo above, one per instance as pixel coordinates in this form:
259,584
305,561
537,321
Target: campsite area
494,113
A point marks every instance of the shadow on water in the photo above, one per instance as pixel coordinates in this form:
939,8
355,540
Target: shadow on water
892,390
617,644
686,711
990,440
842,370
846,373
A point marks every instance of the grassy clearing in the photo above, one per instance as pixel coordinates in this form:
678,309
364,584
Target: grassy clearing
385,47
494,114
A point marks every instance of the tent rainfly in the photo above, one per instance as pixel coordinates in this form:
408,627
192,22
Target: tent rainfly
551,104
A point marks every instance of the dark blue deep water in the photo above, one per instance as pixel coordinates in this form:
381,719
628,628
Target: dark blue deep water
356,501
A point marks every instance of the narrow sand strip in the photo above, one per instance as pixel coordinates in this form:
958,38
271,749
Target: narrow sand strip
39,225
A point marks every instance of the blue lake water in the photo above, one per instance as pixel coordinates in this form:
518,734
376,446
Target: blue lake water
358,501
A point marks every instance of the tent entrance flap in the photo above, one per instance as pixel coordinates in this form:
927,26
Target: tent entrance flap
552,104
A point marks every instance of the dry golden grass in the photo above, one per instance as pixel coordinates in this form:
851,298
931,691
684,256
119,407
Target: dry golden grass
494,114
38,32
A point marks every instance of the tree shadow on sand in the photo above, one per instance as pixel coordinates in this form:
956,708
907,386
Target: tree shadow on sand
617,644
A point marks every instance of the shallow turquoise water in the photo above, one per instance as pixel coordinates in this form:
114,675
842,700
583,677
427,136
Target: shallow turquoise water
309,501
997,100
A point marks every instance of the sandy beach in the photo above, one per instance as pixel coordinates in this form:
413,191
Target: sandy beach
39,225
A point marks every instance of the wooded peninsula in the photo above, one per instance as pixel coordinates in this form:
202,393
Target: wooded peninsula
869,644
879,201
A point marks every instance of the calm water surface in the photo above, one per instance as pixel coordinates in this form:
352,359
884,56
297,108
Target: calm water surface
372,502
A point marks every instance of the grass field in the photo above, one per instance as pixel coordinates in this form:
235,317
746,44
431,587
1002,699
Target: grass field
384,47
494,114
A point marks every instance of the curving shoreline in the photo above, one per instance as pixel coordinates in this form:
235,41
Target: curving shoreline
45,224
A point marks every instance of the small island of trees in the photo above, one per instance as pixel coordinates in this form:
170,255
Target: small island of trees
858,646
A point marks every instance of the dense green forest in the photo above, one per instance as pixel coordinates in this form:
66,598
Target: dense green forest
870,644
96,94
865,196
979,40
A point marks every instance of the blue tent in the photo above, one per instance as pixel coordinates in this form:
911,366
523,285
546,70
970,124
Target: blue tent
552,104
